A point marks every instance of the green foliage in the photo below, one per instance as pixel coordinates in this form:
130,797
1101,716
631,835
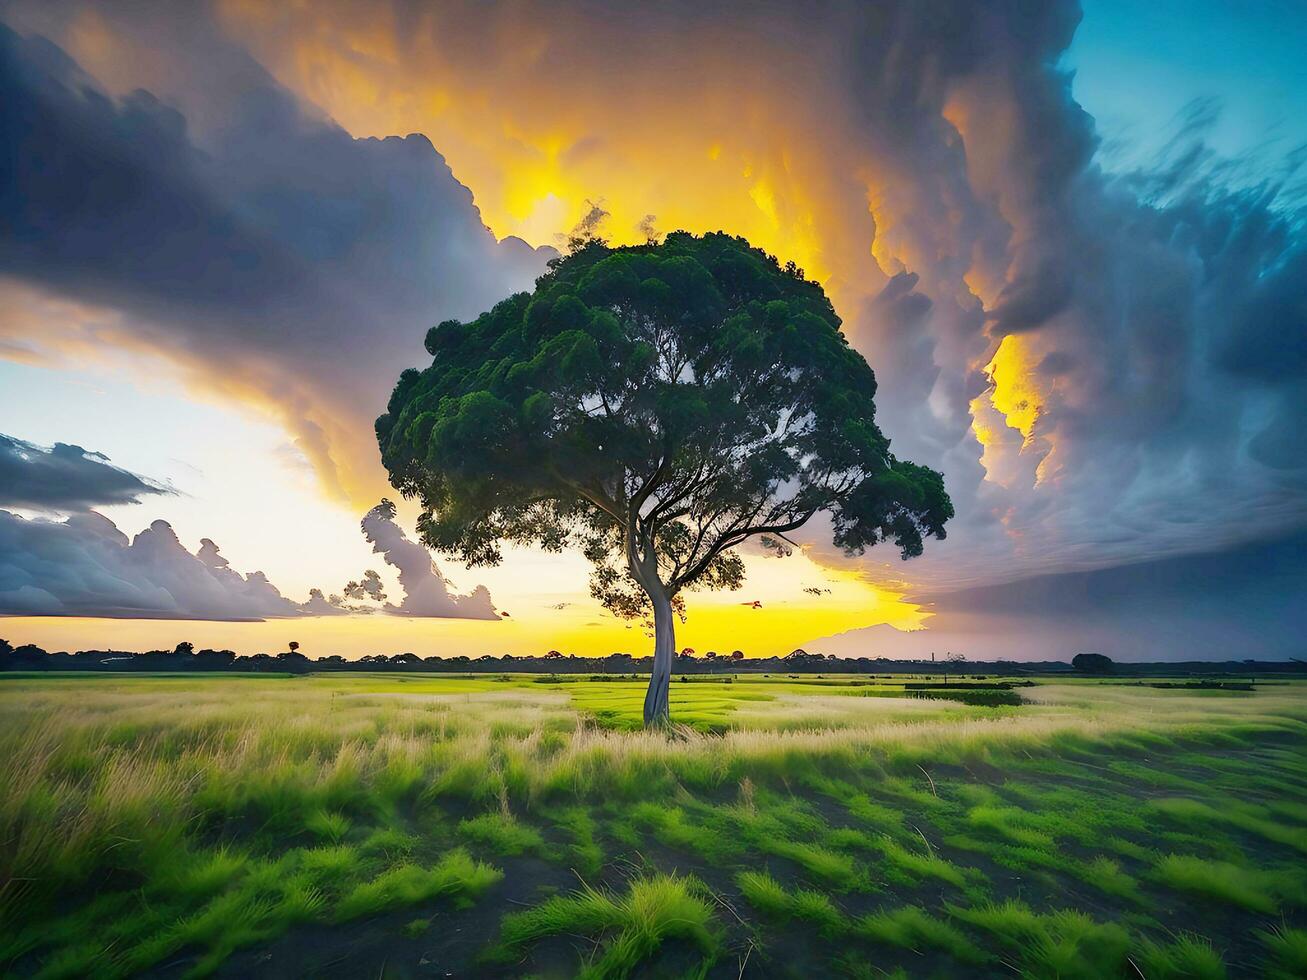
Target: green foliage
1197,816
390,843
911,927
830,867
657,404
585,851
330,868
766,894
1105,874
915,866
329,826
204,874
908,927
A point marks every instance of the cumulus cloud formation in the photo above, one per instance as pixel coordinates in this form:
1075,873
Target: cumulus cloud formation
369,586
85,566
65,478
426,591
270,255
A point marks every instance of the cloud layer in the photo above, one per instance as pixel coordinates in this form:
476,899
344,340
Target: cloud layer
65,478
1241,603
85,566
1110,369
280,261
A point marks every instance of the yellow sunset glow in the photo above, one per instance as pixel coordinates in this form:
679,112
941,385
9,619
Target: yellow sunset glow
1012,407
787,618
1015,393
532,171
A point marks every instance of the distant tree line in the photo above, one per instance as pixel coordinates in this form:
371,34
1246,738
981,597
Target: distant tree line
184,658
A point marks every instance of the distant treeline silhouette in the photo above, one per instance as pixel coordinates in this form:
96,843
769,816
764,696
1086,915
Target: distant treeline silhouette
185,658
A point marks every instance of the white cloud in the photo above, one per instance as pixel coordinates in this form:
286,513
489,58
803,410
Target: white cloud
85,566
426,591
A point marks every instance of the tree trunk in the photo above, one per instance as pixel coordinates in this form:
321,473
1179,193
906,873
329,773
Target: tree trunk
657,713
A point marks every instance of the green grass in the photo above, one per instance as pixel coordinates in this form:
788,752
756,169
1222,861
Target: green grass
1187,956
584,851
913,928
455,874
329,826
502,834
1199,817
1254,889
1067,944
629,927
770,897
194,821
1286,952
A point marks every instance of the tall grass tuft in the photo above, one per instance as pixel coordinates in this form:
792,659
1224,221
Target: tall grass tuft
456,875
629,927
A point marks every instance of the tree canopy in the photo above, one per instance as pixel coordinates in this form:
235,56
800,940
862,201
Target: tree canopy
1092,663
658,405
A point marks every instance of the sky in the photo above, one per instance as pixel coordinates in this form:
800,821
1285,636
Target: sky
1069,241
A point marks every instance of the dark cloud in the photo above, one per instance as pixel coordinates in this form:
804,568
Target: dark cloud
426,591
1242,603
85,566
65,478
1162,315
283,261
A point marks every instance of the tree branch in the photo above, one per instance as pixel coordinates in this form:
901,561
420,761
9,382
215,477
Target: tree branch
730,541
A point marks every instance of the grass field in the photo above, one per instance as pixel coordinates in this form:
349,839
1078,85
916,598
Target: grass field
523,826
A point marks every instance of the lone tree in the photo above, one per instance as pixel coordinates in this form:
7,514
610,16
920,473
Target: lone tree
658,405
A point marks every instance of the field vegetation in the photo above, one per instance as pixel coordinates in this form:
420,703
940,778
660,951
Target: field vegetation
526,826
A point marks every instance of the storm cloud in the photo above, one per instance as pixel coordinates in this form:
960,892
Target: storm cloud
1239,604
282,262
1109,367
65,478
